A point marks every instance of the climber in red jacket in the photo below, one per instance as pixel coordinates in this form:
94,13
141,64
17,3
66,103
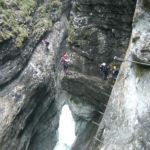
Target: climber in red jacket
64,62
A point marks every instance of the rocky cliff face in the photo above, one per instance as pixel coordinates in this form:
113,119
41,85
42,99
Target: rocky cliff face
125,124
98,31
29,92
32,85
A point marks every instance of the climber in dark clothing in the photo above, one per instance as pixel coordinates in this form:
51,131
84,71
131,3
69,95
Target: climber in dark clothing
65,67
105,70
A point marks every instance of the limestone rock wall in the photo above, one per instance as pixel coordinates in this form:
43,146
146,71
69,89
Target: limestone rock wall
125,124
29,73
31,80
98,31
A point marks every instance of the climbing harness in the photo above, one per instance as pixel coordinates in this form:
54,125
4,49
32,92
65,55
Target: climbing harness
136,62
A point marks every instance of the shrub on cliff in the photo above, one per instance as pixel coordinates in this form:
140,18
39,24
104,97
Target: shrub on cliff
24,19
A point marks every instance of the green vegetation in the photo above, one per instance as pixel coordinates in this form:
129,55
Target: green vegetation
88,33
71,35
22,35
71,31
77,8
2,3
80,37
138,71
16,15
56,4
141,70
42,25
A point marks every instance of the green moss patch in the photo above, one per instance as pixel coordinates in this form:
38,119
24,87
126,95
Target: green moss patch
77,8
22,35
71,35
56,4
141,70
41,26
14,16
22,19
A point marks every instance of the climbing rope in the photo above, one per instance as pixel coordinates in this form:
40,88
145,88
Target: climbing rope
136,62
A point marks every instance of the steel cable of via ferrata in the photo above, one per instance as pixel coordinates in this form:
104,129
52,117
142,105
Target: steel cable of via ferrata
136,62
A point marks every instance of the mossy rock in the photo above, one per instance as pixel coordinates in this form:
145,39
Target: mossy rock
5,36
41,26
77,8
22,35
141,70
10,12
17,18
56,4
3,4
71,35
87,34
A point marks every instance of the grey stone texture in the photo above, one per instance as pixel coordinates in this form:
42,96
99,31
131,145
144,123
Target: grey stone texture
29,90
33,87
125,125
98,31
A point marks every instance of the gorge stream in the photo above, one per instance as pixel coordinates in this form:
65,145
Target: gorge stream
66,130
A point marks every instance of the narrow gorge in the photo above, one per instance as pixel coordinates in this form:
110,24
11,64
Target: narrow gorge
37,98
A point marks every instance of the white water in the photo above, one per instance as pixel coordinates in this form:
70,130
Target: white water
66,130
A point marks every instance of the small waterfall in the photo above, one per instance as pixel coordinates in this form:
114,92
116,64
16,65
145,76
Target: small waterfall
66,130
